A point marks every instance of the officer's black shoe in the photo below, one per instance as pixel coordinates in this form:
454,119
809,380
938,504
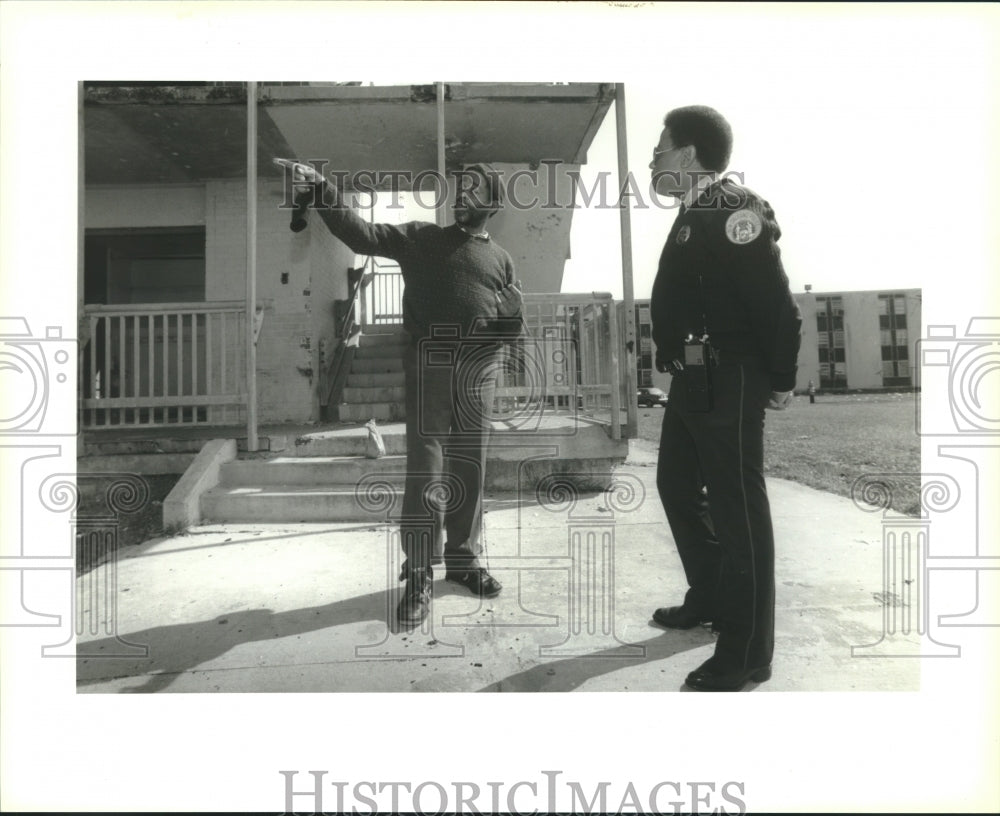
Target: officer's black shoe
678,617
708,677
476,580
415,604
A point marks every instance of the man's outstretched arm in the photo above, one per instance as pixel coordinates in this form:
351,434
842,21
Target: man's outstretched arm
325,198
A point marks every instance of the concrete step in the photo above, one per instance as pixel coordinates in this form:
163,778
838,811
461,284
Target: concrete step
295,503
376,365
349,442
387,338
312,471
326,478
366,352
95,445
148,464
376,380
377,394
379,411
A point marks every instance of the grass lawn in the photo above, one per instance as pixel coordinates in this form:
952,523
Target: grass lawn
831,443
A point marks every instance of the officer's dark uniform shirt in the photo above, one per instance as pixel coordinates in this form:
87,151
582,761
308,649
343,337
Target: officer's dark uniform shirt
721,272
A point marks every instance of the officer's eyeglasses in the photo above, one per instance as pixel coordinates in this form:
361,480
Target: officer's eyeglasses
657,152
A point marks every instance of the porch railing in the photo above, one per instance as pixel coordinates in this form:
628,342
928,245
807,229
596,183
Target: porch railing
163,364
382,300
568,364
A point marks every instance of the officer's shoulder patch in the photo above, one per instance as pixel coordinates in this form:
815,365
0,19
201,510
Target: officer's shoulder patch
743,226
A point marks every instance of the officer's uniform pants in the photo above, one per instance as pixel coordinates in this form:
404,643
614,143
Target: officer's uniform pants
449,389
725,538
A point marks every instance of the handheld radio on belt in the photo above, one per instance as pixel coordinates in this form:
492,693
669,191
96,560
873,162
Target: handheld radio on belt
699,357
697,373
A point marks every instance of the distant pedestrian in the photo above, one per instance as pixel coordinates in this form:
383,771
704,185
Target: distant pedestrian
811,390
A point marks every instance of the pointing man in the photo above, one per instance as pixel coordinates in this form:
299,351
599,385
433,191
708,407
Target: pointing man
459,283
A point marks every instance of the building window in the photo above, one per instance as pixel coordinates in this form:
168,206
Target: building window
644,354
830,328
144,266
894,339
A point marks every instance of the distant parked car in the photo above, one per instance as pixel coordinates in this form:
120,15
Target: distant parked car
648,397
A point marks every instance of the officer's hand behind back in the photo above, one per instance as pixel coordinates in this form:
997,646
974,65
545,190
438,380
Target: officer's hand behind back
780,400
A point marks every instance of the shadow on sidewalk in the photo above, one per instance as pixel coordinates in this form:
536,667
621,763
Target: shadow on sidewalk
568,674
174,650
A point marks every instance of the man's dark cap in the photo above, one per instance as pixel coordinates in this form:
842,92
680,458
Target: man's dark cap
494,183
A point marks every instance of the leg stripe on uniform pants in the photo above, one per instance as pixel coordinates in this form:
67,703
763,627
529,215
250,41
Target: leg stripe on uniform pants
746,515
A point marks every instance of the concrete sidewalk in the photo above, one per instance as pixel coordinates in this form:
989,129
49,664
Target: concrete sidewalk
304,607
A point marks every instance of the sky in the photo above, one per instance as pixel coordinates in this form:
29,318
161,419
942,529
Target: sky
853,126
856,130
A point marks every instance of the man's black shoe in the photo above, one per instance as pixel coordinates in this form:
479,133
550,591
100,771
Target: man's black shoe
708,678
415,604
405,569
677,617
478,581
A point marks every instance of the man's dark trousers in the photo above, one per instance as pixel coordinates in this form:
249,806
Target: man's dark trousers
450,386
725,539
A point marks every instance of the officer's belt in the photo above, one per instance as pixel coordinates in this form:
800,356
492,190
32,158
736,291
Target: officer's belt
724,356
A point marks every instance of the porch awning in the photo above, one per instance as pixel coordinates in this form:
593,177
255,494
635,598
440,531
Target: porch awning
155,134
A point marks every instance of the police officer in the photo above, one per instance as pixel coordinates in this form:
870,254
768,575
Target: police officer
726,327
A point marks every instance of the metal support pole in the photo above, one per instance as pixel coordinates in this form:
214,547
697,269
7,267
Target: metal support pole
82,324
625,215
443,200
251,305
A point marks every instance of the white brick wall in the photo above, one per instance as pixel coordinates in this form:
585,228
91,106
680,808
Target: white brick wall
225,241
134,206
327,260
299,313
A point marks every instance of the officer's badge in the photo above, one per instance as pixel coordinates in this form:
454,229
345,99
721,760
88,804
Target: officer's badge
684,234
743,226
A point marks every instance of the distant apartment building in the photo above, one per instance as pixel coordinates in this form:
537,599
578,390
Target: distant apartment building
850,340
646,375
859,340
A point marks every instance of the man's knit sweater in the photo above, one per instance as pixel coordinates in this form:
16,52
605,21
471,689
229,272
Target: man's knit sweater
450,277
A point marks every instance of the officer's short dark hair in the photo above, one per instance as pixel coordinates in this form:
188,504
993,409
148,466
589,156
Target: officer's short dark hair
704,128
494,184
